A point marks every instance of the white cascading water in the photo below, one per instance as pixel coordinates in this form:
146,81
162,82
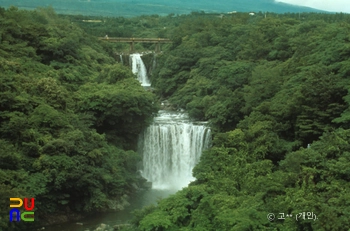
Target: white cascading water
121,59
139,68
171,147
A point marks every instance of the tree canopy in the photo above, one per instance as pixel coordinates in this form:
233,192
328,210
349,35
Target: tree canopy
69,117
275,90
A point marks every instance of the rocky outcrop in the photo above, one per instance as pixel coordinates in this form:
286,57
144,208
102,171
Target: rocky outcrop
118,204
121,226
104,227
165,105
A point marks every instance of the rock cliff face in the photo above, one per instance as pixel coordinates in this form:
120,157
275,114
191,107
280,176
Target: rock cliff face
166,105
123,58
150,61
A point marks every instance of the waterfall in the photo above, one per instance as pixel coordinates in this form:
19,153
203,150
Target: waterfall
171,147
121,59
139,68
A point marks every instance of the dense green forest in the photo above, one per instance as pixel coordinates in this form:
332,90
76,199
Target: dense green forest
275,89
69,118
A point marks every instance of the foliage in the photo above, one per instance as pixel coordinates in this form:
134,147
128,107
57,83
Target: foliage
275,90
276,93
63,105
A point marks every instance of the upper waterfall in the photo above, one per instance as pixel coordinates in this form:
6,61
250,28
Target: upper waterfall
121,59
139,68
171,147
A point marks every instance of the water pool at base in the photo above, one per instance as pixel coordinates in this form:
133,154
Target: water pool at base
137,201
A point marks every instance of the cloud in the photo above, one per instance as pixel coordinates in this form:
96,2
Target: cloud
327,5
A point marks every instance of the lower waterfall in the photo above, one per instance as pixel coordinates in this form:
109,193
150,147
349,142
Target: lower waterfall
171,147
139,68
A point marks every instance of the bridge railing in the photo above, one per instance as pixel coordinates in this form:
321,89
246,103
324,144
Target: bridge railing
144,40
157,41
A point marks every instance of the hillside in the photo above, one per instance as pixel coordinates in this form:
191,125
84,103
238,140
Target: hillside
276,92
69,119
160,7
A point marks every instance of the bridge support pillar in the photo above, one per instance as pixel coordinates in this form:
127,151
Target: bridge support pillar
157,47
132,47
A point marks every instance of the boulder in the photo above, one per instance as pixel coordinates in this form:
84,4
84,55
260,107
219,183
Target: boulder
120,226
103,227
147,184
135,186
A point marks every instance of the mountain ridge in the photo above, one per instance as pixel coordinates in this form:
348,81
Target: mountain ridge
160,7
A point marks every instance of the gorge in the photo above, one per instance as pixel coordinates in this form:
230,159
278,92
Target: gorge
170,148
83,135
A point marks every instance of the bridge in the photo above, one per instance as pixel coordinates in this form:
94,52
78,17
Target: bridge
132,41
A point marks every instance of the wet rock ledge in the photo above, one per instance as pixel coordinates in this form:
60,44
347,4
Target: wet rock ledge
104,227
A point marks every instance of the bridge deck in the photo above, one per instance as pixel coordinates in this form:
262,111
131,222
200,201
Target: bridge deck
131,40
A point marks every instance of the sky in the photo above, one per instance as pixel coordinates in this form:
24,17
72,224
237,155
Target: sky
328,5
